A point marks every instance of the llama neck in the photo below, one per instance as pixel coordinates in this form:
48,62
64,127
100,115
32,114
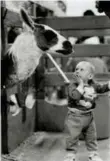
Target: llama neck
25,47
27,55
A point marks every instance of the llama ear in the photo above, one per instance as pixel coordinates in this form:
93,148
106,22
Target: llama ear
27,19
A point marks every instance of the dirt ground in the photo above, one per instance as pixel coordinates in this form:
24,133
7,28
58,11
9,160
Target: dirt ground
44,146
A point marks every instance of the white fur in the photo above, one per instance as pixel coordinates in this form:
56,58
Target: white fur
27,54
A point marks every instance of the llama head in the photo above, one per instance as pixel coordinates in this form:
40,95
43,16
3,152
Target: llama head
47,39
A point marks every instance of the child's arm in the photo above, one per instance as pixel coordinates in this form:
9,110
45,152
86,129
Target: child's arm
102,88
76,92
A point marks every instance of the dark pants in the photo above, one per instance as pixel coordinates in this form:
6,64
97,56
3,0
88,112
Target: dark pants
76,124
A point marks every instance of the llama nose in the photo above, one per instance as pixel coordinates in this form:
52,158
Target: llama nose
67,45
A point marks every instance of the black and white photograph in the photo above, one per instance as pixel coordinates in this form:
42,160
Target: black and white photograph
55,80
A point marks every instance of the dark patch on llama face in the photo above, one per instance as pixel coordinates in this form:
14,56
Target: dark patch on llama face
45,38
50,37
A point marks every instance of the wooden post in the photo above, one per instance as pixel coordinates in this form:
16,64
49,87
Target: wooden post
39,81
4,111
3,28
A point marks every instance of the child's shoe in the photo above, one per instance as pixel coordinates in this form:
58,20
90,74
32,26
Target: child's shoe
94,157
70,157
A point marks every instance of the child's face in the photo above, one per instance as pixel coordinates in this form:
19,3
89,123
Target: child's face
83,71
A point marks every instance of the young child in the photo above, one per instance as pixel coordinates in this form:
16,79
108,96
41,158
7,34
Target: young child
82,93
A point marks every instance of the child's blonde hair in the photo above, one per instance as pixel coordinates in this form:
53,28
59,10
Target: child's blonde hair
90,66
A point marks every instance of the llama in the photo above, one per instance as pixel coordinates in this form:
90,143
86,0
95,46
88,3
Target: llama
24,55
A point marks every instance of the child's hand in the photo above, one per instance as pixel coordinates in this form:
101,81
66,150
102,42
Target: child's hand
80,87
85,104
80,81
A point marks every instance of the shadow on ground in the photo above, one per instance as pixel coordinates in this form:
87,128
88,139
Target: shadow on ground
43,146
